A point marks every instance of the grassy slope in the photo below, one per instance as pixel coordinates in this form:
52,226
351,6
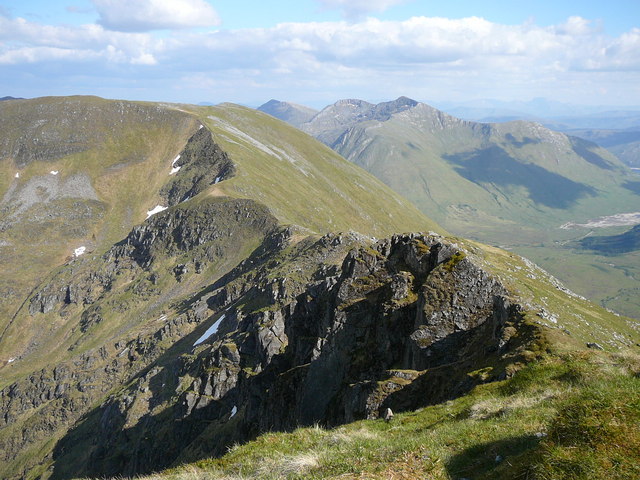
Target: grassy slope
302,181
126,155
571,416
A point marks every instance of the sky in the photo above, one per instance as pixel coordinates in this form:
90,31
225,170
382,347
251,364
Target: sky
314,52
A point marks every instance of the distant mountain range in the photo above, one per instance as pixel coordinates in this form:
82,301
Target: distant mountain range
512,184
474,176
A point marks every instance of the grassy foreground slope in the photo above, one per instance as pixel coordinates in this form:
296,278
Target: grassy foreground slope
570,416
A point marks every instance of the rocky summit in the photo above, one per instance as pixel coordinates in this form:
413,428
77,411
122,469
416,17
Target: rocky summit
198,276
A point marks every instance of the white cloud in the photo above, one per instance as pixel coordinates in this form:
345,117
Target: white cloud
147,15
28,42
354,9
421,57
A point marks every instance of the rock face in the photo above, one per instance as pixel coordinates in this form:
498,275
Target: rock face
99,291
328,330
202,163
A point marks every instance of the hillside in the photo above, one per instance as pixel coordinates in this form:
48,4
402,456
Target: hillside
233,265
80,173
512,173
625,144
512,184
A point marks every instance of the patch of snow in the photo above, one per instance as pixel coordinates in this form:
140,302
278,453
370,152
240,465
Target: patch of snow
217,180
234,410
79,251
17,174
200,127
54,172
156,209
210,331
175,169
13,359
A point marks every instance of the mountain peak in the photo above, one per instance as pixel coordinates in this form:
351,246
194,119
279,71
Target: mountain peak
405,101
289,112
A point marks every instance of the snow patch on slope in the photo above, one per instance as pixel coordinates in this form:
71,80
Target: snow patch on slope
175,169
210,331
156,209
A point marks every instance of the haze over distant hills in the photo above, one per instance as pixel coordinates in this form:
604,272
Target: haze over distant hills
291,113
544,110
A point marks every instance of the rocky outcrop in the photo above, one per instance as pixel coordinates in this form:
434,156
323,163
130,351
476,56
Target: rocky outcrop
200,164
328,331
206,232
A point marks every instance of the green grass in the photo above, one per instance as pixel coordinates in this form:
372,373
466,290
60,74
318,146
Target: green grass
125,152
549,303
303,182
573,416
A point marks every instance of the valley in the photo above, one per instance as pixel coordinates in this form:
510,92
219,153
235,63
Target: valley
516,184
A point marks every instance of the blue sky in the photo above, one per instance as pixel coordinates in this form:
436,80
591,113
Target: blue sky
317,51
